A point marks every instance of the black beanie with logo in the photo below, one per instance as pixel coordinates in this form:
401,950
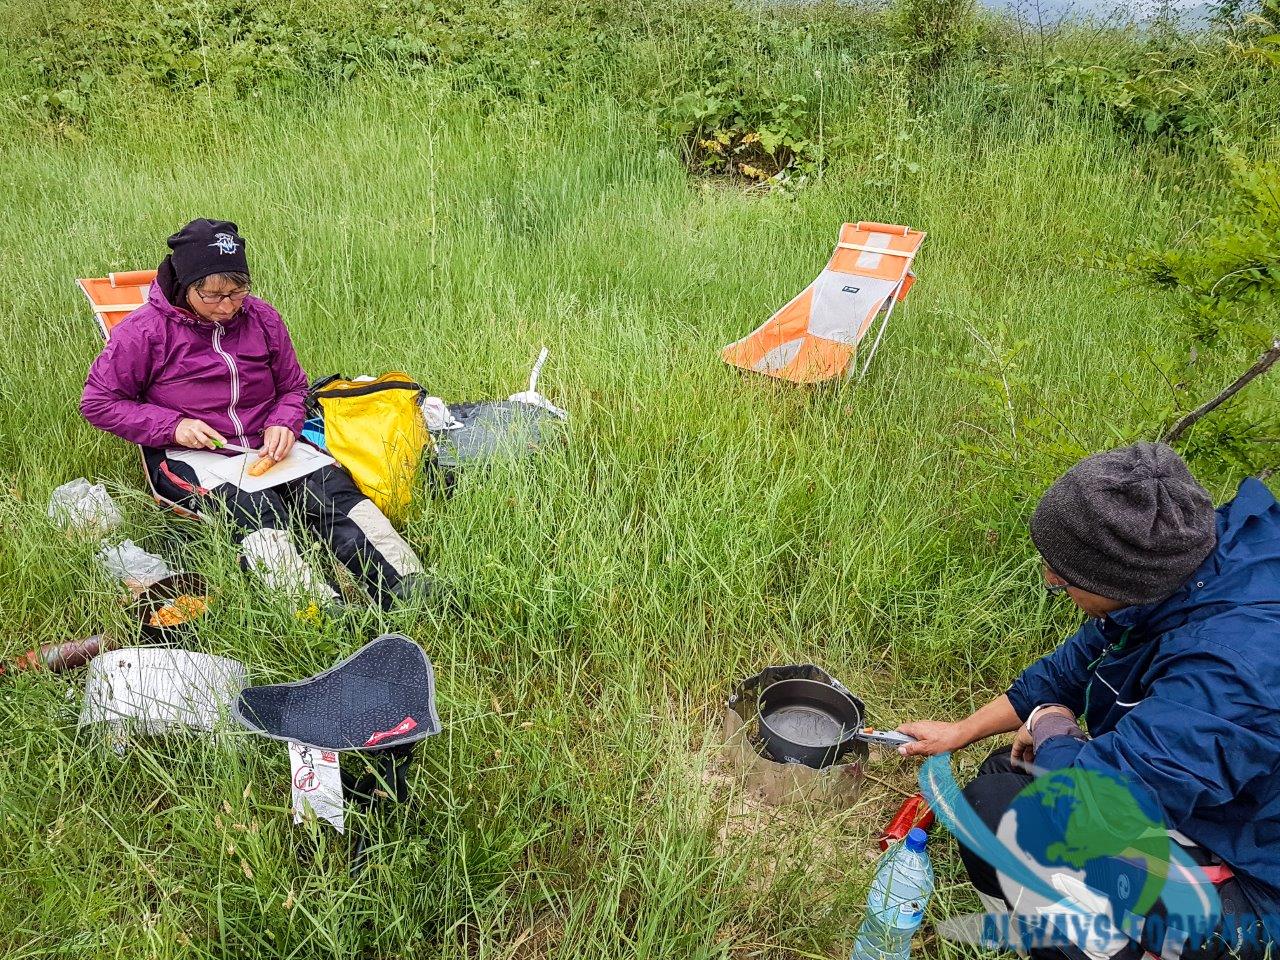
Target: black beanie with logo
200,249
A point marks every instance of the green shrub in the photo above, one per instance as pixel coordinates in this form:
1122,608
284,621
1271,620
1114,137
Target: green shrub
1224,280
1227,273
1190,91
235,46
722,131
1157,96
936,31
1225,276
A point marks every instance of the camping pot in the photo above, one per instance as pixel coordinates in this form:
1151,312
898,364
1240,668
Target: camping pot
814,723
161,593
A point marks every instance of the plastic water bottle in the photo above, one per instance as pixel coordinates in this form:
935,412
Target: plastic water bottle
895,905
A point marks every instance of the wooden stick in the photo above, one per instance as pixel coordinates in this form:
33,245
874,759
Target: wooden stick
1263,364
57,657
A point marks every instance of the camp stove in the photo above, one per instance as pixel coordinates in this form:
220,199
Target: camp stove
769,773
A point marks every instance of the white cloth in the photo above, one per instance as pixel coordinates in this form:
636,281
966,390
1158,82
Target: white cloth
437,415
272,556
160,688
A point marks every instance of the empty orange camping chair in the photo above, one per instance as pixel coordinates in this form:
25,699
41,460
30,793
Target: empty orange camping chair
116,295
816,336
113,298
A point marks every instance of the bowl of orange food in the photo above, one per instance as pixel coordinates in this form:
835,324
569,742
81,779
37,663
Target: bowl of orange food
170,607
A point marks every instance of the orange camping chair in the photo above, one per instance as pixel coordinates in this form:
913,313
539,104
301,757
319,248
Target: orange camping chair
113,298
816,336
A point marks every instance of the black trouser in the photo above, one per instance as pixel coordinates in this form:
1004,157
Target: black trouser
326,502
992,792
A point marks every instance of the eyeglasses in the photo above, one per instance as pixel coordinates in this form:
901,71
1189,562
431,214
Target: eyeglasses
213,299
1053,589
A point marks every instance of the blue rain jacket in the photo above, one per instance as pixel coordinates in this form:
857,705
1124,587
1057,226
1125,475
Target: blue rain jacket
1183,697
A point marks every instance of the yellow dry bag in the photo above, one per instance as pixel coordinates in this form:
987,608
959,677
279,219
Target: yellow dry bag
375,429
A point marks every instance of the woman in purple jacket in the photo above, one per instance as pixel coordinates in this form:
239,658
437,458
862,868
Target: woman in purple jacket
204,363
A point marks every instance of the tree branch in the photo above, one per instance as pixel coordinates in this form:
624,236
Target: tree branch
1263,364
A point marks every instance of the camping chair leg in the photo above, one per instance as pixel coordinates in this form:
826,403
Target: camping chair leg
875,345
359,852
389,781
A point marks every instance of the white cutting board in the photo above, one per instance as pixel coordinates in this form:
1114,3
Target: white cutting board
214,469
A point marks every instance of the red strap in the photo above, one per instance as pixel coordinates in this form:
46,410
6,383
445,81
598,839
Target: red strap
1218,873
177,481
404,726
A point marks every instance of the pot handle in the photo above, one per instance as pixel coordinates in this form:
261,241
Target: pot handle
885,738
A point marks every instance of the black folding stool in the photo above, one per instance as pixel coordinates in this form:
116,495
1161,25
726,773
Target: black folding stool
379,701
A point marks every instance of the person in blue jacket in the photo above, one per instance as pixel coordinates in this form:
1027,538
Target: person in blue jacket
1172,686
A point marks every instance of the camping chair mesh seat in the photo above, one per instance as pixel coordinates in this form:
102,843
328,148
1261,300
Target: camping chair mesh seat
815,337
382,696
113,298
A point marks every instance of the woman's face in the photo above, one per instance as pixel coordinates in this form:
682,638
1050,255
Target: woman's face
216,299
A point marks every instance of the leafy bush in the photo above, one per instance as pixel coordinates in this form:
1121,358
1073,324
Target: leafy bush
1249,18
1190,90
1226,278
237,46
91,52
935,31
1227,273
723,132
1158,95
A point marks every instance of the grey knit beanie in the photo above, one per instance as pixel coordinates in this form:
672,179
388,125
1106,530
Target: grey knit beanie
1129,524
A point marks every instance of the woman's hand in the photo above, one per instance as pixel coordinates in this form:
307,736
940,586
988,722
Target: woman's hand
276,443
197,435
933,736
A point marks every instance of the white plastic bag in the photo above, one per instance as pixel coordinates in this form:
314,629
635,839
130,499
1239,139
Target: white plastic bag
437,415
130,564
84,506
532,396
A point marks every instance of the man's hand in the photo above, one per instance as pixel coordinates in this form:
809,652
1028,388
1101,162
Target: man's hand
1023,751
933,736
276,443
197,435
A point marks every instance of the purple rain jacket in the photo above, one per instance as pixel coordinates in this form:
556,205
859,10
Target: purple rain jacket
162,364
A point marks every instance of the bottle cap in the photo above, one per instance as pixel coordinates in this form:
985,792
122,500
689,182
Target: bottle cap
916,839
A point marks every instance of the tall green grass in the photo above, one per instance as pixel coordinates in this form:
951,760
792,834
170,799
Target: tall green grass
697,525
